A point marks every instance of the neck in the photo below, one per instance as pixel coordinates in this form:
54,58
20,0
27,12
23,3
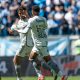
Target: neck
24,19
35,15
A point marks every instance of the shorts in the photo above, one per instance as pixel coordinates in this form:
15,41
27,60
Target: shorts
41,51
24,50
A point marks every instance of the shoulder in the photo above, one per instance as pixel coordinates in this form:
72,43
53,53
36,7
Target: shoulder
20,21
44,18
31,20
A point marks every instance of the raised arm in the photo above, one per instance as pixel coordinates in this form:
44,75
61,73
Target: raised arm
27,28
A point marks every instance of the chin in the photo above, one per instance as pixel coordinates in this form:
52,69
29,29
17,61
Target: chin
23,18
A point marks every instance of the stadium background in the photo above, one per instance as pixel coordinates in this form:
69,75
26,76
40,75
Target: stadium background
63,18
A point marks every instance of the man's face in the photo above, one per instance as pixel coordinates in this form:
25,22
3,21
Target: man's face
23,14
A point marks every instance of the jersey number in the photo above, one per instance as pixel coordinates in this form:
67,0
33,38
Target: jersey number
41,32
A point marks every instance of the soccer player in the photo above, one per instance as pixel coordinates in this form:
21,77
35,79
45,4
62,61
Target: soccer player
25,39
38,27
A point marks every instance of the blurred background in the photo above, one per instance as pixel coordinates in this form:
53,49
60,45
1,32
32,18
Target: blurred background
63,19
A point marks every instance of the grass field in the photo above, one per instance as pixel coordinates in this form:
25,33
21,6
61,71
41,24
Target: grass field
35,78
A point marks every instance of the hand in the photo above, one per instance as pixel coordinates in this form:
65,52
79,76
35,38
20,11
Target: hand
10,31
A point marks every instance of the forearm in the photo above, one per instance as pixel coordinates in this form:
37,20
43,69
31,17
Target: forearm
23,30
13,28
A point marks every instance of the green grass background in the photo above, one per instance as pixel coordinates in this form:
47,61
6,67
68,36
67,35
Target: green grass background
35,78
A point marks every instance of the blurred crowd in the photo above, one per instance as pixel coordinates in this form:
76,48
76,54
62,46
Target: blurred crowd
63,16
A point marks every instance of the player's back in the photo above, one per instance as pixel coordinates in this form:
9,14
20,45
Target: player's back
38,31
